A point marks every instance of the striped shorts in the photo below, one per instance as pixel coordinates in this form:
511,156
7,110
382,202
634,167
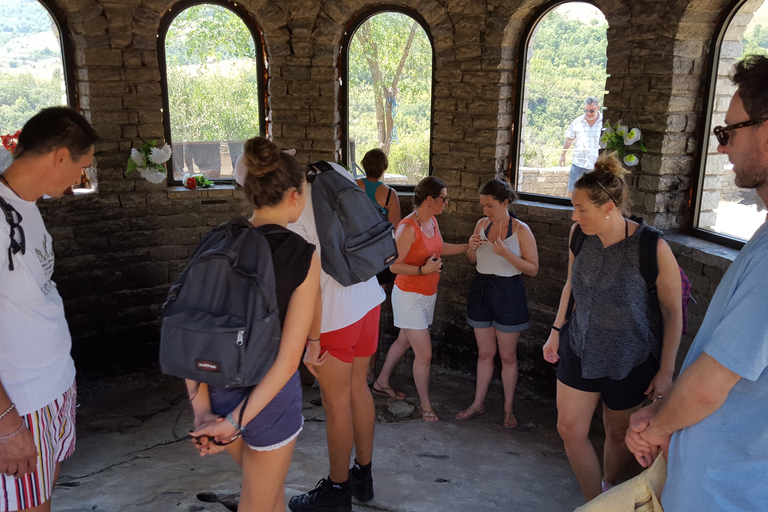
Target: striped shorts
53,428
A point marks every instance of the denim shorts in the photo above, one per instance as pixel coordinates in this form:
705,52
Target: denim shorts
617,395
276,425
497,302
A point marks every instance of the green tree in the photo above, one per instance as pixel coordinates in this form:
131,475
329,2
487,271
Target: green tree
756,42
567,64
390,87
212,76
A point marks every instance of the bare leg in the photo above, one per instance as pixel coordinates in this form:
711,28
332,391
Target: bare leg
486,352
616,454
422,360
264,478
508,353
363,412
335,378
574,415
396,352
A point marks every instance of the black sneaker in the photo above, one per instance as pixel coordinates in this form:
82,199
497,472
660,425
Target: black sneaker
320,498
362,487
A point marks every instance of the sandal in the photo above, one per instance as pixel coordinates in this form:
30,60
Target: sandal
509,420
429,415
387,392
469,413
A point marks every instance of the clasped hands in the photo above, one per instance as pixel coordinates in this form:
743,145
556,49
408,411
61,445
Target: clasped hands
642,439
212,434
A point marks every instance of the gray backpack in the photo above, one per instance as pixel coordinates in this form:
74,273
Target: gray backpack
220,323
356,242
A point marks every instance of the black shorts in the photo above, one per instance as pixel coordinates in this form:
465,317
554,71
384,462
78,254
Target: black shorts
617,395
385,276
497,302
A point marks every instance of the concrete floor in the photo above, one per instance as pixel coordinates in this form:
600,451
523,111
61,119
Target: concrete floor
127,458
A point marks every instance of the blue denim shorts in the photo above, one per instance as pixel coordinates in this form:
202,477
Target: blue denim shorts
276,425
497,302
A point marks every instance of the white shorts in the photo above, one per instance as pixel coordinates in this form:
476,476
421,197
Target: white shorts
412,310
53,428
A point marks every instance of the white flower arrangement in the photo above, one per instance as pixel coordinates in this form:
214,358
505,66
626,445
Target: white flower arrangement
150,161
619,138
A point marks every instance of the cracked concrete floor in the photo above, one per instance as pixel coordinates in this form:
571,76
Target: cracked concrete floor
127,458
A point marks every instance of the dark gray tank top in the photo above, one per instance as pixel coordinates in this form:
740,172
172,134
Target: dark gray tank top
612,327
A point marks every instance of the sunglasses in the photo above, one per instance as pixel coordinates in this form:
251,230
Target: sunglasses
444,198
721,132
14,220
588,111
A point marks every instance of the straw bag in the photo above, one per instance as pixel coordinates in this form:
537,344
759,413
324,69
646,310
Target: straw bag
640,494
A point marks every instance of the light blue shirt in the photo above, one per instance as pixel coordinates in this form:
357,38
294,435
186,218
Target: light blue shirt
721,463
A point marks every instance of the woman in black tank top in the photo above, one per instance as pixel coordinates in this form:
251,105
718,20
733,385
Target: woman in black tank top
232,419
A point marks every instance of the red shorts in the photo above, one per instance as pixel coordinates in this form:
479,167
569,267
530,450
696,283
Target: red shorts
357,340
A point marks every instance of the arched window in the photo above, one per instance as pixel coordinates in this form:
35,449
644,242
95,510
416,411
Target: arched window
389,93
212,62
32,65
726,213
562,85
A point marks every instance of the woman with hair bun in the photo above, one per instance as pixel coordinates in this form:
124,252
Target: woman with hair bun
418,265
265,420
614,347
502,248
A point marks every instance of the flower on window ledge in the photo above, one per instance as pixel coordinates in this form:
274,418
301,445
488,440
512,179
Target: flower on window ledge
149,160
10,141
619,138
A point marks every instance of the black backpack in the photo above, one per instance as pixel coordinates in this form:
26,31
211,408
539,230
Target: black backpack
356,242
220,323
649,267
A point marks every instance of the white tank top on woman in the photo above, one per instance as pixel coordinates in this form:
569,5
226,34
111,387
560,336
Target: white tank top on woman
489,262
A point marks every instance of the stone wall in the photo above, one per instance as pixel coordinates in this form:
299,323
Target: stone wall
117,251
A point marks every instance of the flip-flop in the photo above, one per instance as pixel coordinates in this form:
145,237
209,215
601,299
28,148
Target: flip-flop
387,392
472,413
509,424
429,415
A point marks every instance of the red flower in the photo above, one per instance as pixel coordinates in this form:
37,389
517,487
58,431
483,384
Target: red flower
191,183
11,141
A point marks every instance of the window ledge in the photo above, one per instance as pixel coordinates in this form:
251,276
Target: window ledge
694,248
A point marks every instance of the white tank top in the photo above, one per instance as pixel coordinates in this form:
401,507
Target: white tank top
489,262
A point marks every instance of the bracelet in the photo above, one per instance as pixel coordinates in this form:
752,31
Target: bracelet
419,271
556,329
234,423
8,410
311,340
3,438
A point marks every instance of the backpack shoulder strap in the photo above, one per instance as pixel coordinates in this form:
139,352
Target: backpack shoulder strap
317,168
649,258
577,240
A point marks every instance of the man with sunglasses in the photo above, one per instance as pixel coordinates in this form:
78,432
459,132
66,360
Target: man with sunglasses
37,374
584,135
713,425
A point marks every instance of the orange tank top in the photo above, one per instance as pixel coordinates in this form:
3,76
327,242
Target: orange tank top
422,249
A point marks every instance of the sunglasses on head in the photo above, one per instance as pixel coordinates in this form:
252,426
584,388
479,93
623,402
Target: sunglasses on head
721,132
